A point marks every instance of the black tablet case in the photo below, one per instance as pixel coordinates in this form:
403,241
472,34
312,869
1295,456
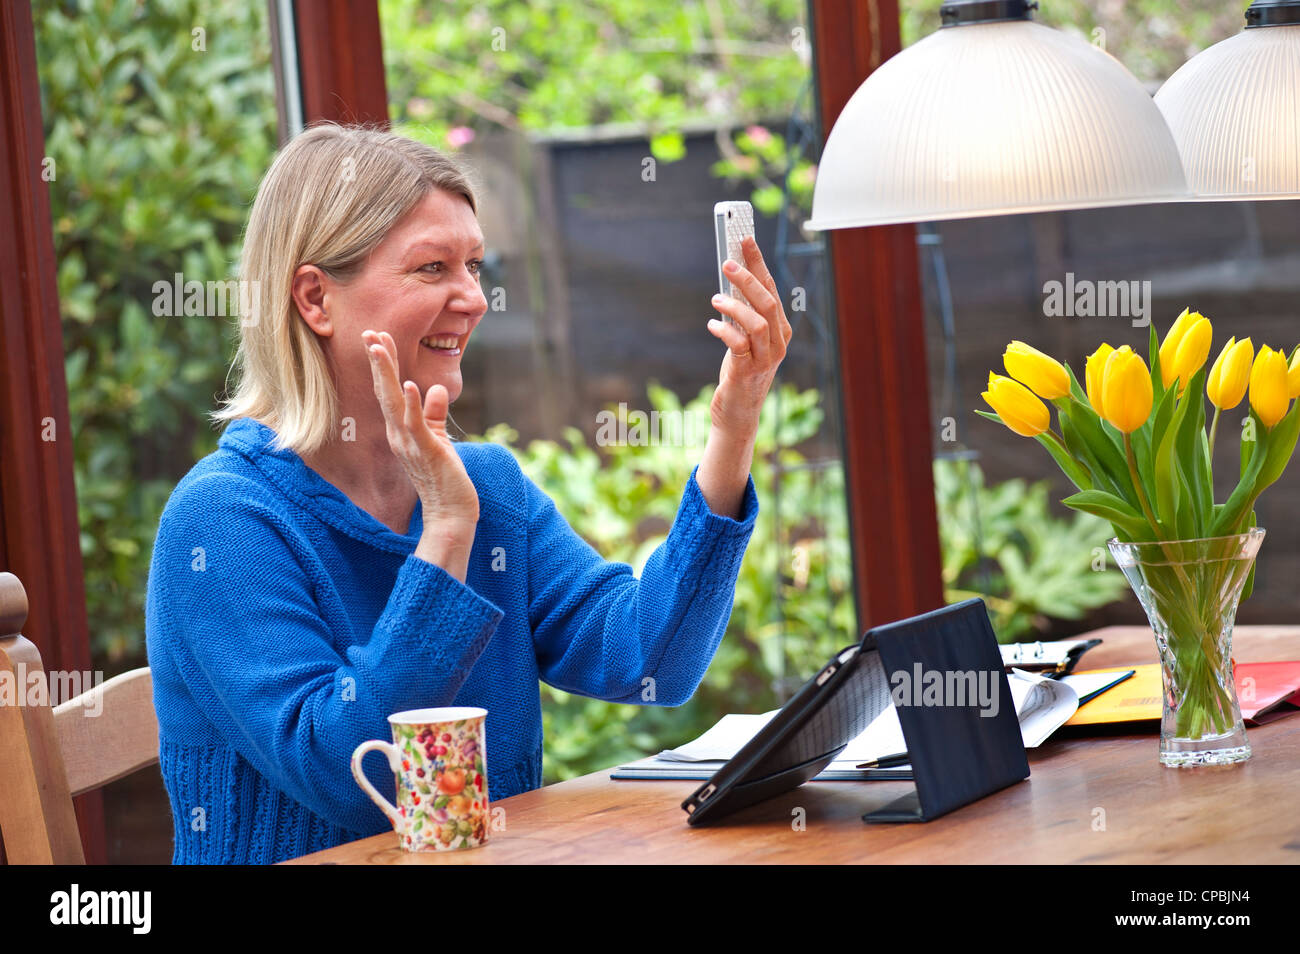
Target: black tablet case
958,754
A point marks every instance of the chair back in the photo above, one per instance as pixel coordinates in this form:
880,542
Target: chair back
50,754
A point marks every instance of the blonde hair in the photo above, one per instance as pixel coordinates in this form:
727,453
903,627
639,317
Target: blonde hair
329,198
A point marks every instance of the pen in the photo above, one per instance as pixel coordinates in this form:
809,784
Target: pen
887,761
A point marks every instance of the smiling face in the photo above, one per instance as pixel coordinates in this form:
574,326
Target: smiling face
421,285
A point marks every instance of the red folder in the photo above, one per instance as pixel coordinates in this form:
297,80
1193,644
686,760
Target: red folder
1267,690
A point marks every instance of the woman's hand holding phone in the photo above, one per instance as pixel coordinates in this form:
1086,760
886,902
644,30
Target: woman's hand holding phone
756,340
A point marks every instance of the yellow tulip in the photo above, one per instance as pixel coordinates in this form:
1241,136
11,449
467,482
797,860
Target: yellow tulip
1093,372
1269,394
1293,376
1193,349
1169,347
1230,374
1019,408
1126,390
1042,374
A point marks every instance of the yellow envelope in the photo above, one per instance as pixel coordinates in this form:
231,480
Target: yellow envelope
1136,699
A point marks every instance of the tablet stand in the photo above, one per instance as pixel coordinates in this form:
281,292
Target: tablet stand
955,708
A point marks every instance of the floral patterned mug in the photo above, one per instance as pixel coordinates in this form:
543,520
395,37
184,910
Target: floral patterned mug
440,759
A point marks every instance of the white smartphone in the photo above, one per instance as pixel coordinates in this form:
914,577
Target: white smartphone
732,221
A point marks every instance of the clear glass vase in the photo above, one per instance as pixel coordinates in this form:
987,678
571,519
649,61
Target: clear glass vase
1190,590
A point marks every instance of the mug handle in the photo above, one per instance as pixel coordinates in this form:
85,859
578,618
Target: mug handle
394,762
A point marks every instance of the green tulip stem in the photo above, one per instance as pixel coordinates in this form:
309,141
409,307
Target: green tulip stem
1137,484
1052,436
1188,588
1214,430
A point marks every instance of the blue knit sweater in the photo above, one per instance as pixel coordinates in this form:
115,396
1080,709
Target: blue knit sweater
284,624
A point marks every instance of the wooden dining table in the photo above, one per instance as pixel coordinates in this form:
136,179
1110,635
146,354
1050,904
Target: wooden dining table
1092,796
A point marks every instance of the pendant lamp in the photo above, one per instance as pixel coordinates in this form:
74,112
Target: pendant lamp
1234,109
989,115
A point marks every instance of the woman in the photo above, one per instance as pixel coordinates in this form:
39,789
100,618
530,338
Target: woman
338,558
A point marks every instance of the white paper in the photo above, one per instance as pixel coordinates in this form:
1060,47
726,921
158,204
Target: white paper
1043,705
721,742
884,736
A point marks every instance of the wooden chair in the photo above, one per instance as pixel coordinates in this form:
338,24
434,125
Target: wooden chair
47,756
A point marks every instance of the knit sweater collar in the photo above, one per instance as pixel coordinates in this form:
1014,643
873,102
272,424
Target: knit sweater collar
290,473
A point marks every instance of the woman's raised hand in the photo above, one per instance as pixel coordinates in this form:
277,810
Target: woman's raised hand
417,435
756,345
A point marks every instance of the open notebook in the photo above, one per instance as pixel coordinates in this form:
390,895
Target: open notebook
1042,705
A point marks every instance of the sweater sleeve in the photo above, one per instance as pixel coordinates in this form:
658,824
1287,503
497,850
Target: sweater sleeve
260,661
600,631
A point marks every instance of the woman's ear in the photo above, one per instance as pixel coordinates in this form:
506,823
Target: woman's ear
309,296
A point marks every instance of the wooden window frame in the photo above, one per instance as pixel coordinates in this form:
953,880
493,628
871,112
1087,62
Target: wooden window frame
40,536
884,384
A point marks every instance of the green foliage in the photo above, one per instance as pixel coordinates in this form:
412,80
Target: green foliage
158,148
1152,38
1002,543
555,64
759,155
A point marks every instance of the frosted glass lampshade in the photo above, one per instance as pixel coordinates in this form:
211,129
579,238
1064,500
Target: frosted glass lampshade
1234,111
989,119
